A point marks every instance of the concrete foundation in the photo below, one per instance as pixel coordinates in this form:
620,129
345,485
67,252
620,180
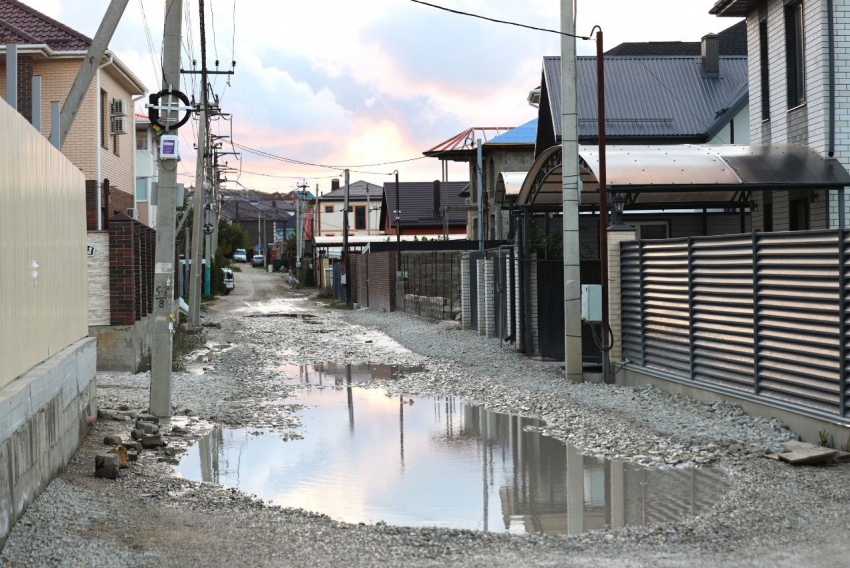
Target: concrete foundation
808,427
123,347
42,421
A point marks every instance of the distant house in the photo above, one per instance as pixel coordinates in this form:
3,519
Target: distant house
422,208
147,169
364,209
101,140
262,221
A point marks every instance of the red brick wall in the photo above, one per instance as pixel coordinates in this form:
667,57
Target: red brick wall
131,267
119,201
25,86
91,205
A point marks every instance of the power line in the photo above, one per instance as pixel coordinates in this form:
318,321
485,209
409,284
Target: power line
323,166
480,17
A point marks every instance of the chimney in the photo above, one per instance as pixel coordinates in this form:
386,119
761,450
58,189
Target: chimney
711,55
437,212
334,184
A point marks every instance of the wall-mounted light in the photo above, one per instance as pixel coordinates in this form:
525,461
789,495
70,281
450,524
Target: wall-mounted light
619,203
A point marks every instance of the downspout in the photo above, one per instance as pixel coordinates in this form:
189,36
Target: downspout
135,150
831,27
99,123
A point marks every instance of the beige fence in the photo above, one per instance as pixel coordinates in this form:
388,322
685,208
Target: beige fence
43,288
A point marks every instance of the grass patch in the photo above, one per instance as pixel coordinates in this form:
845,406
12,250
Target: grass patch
184,343
235,268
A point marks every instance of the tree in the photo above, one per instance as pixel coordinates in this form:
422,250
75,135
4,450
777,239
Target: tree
230,238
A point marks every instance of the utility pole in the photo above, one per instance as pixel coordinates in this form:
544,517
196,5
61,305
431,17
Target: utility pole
479,175
569,151
198,225
345,259
200,188
166,213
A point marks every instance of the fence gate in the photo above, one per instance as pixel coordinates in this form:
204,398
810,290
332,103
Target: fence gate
473,290
550,314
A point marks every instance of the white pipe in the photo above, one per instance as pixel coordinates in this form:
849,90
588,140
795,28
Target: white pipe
99,125
135,150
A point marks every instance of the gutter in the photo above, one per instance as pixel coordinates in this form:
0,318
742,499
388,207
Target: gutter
831,26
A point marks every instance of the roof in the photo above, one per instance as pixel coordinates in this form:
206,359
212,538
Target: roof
525,134
417,203
679,174
466,140
734,8
652,97
733,41
20,23
357,190
237,211
305,195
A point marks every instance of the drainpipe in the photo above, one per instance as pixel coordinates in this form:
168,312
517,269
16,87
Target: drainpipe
100,144
150,147
831,25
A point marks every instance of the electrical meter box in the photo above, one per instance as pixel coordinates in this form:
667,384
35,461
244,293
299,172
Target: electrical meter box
591,302
169,147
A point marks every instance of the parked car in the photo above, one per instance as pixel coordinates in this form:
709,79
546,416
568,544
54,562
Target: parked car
258,260
229,283
240,256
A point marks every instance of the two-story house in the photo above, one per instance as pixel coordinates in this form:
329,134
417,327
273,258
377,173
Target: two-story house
147,170
798,74
364,209
100,142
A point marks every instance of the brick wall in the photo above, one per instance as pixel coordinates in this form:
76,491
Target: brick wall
489,308
98,272
91,205
131,262
466,296
615,301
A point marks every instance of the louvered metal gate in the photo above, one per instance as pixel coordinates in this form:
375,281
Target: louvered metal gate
759,315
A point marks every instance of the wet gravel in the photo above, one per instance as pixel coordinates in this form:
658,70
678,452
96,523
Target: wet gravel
773,515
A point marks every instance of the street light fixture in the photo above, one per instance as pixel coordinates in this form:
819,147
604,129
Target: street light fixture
619,203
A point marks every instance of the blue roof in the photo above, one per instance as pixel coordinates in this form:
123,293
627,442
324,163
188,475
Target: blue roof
525,134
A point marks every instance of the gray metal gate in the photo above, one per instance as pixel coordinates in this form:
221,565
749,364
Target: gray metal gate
760,315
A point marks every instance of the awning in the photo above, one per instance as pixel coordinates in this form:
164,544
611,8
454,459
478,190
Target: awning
509,184
680,174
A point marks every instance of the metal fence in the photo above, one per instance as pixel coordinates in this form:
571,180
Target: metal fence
43,284
759,315
435,274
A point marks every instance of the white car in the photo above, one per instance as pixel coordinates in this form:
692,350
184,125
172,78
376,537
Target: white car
240,256
258,260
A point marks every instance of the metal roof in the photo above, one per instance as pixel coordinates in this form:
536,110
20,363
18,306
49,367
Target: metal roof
524,134
20,23
733,41
652,97
734,8
465,141
418,206
357,191
687,173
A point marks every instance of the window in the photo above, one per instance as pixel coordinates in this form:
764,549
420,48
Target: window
795,55
104,119
141,189
141,139
360,218
799,215
651,230
765,72
329,208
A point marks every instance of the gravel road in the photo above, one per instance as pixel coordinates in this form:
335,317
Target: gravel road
774,515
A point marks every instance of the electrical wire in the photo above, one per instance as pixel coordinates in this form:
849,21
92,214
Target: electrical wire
494,20
323,166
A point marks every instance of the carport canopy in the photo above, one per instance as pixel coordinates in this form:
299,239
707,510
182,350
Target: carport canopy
681,175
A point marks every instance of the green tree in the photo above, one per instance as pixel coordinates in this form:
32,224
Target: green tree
230,238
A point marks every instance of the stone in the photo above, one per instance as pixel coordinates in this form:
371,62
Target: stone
150,442
178,431
112,441
136,435
147,428
133,446
123,458
106,466
148,418
132,455
128,414
124,407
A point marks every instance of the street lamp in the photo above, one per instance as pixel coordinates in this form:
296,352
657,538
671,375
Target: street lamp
619,203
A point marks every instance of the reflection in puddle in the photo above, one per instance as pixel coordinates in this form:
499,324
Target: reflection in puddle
338,374
368,457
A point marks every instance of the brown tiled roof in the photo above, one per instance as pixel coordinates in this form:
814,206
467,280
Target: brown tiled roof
20,23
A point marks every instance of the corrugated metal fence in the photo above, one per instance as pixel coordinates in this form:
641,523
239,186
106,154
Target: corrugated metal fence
43,284
761,315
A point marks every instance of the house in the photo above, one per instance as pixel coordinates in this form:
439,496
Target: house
364,209
100,142
262,221
797,73
422,210
147,170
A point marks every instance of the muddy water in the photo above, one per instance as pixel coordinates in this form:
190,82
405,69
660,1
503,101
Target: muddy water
367,457
338,374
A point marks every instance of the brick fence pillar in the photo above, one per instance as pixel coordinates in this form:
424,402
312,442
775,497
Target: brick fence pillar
489,307
615,304
122,281
465,293
482,320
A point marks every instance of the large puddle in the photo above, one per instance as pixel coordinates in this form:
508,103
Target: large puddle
367,457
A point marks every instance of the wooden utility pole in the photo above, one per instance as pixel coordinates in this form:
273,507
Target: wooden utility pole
163,309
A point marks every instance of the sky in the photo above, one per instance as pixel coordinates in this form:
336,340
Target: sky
352,83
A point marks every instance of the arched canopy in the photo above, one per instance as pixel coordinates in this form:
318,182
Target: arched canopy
685,174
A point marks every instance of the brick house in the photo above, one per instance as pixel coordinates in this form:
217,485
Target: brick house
97,143
790,49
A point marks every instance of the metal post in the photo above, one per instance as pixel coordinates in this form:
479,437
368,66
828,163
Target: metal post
54,123
36,102
479,175
160,393
12,77
603,199
572,255
91,64
345,259
197,224
521,287
841,213
397,224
